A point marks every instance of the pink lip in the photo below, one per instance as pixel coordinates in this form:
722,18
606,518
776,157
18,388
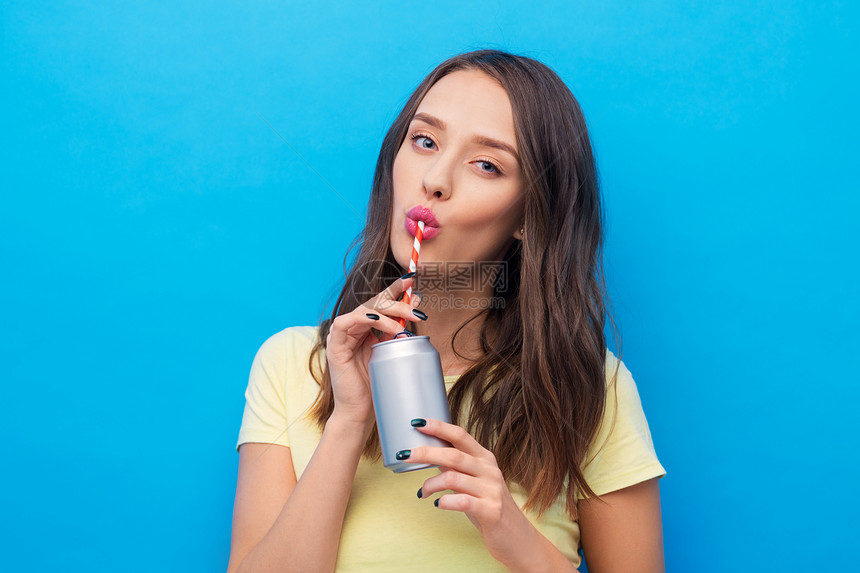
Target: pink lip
421,213
412,228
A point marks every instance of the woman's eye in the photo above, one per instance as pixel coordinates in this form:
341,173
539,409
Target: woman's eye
423,141
488,167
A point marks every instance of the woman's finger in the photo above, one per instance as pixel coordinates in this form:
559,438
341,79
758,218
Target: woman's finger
455,435
379,320
392,293
374,315
416,298
456,502
386,319
449,457
454,481
349,329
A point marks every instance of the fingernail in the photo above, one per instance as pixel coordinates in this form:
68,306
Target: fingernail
420,493
371,315
436,502
403,454
418,423
405,331
419,314
408,275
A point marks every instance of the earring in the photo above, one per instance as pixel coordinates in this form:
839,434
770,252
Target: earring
522,231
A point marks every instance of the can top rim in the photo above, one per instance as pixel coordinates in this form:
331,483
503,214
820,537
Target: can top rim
416,337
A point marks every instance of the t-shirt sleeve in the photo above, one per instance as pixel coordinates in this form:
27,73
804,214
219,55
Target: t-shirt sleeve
622,453
265,417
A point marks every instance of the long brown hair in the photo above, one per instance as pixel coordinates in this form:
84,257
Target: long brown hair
539,409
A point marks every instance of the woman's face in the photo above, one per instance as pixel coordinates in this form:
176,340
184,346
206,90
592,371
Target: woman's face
459,161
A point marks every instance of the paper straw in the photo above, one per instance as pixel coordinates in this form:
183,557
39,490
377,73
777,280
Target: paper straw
413,265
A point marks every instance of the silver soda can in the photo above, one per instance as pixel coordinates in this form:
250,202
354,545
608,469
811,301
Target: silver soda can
407,382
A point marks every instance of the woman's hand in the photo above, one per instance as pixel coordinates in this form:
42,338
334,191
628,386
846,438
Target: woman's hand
471,471
348,349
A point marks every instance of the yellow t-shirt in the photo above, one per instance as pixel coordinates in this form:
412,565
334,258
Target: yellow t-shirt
387,528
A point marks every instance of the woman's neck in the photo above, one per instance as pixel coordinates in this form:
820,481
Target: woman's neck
441,325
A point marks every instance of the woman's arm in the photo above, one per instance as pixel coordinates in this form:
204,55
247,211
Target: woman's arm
266,480
306,531
624,531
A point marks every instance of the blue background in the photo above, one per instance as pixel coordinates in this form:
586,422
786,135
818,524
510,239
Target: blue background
181,181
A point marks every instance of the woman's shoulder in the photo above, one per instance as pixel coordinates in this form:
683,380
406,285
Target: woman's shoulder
290,337
611,360
621,390
617,376
622,452
289,346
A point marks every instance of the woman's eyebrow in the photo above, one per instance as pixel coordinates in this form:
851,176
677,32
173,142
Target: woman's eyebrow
479,139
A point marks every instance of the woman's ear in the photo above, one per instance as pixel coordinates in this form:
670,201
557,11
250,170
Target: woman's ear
520,233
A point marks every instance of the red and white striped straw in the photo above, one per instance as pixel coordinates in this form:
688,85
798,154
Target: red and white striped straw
413,265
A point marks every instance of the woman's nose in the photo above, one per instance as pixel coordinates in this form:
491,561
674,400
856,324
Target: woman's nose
437,179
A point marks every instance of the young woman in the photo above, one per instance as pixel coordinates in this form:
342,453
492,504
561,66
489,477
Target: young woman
551,451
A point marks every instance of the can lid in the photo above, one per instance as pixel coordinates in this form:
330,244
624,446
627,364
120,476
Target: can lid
394,340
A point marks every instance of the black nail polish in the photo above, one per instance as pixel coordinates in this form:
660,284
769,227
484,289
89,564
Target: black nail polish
436,502
420,492
418,423
408,275
371,315
419,314
403,454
